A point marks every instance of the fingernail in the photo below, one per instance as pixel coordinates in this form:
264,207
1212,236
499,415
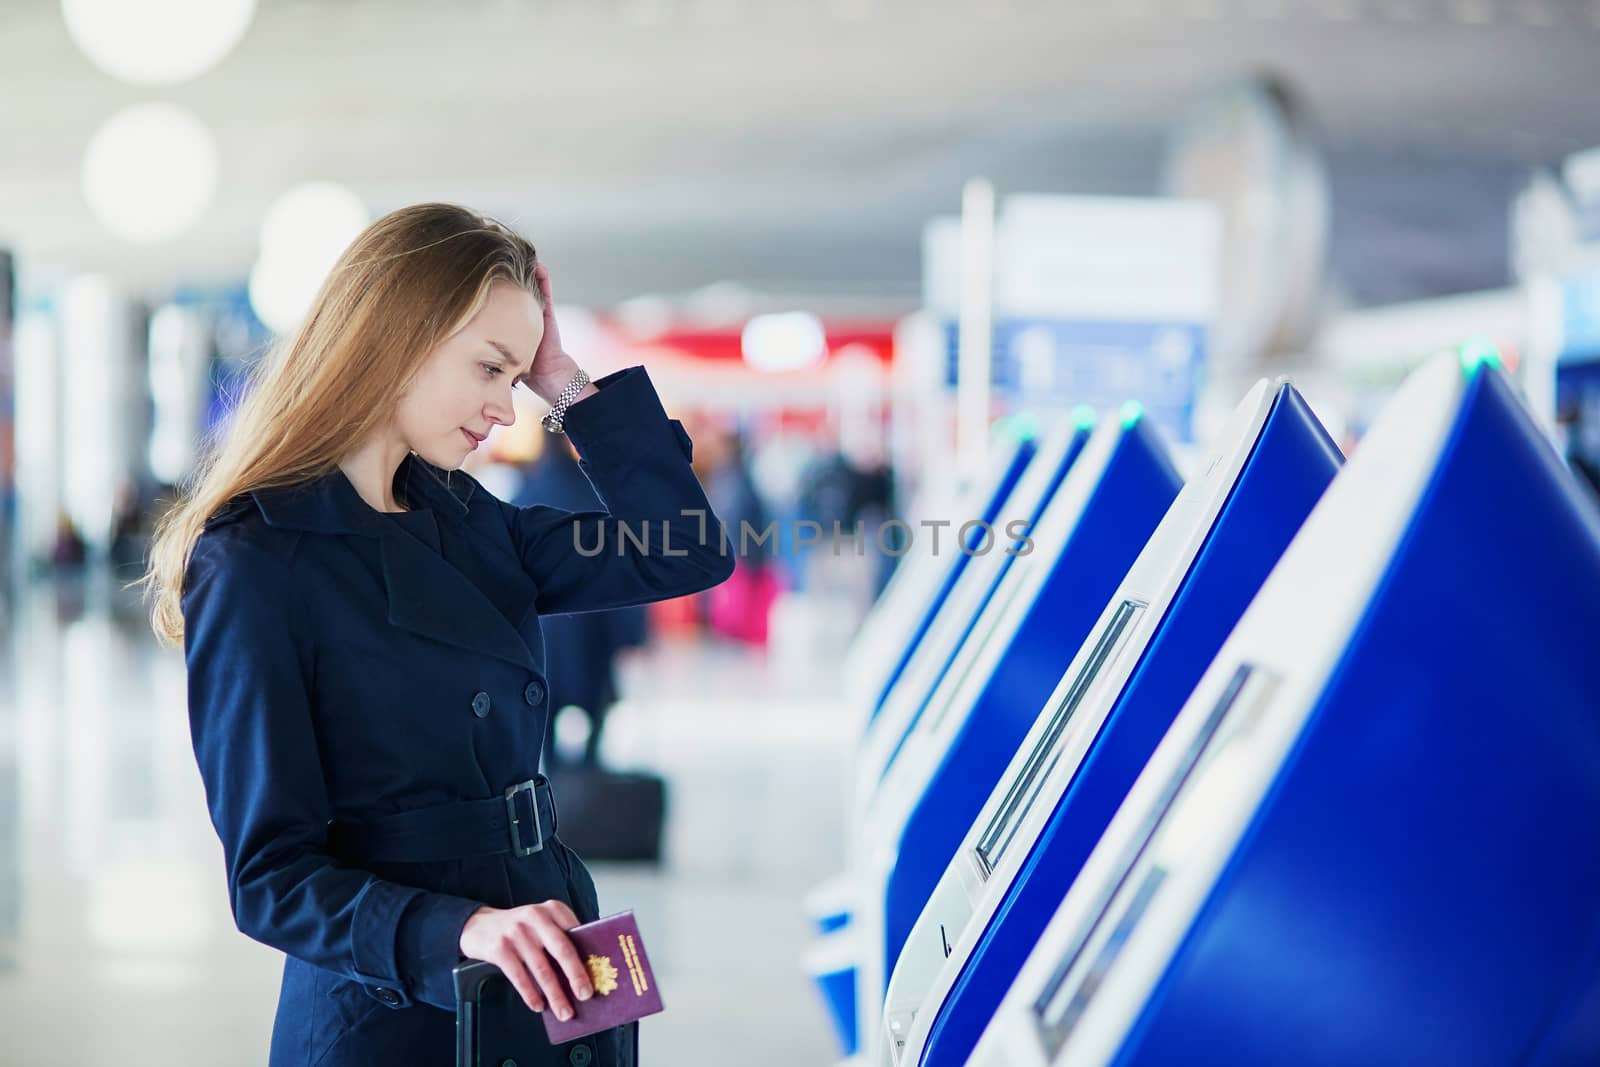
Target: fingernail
585,993
564,1015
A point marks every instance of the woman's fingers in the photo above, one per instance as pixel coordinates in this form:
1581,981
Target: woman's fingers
538,963
561,949
509,960
561,919
532,949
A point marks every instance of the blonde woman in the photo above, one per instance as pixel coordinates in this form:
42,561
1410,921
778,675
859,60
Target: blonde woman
360,621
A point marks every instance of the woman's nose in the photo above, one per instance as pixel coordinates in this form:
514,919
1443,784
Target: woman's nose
504,414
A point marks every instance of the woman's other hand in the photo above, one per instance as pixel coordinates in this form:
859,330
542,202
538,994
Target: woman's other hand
552,368
528,944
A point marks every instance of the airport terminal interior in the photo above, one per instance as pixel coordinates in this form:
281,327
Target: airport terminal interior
1151,608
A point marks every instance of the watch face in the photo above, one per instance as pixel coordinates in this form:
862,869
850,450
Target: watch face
1248,148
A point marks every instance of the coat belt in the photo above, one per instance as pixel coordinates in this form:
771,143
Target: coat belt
517,822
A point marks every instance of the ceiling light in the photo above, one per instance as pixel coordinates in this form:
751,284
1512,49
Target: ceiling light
150,172
302,236
312,223
156,42
789,341
645,317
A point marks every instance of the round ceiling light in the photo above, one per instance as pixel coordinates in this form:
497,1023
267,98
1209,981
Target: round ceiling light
302,236
150,172
789,341
156,42
312,223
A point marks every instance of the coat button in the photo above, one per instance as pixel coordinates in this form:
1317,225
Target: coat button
580,1056
480,705
388,996
534,694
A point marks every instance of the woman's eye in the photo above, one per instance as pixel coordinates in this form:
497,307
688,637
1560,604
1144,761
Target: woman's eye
491,368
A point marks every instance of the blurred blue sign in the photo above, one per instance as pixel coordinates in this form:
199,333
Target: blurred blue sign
1095,300
1580,316
1066,362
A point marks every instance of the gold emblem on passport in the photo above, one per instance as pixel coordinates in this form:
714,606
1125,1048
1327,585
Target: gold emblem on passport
603,974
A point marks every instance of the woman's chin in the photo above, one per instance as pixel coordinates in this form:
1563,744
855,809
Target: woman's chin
446,459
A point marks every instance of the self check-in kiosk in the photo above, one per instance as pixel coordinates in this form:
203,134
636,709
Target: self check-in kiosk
908,606
1154,639
970,597
1024,481
1093,528
831,961
892,629
1372,835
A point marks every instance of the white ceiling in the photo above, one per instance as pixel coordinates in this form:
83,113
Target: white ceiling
796,145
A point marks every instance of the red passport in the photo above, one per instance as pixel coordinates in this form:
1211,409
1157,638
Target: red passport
624,985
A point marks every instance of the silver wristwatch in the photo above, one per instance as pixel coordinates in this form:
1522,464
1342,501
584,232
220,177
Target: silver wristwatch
552,419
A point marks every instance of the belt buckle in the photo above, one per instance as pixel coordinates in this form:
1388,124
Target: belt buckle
517,847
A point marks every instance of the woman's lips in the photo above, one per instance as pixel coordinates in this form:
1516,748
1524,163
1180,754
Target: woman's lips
473,441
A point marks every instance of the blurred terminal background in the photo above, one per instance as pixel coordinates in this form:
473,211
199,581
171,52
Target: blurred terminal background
854,241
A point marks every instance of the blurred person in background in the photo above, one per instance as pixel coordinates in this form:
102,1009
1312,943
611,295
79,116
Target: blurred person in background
580,650
361,626
739,607
68,552
848,487
129,533
1580,439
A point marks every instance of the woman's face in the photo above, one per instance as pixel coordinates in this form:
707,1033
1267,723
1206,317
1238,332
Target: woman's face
464,386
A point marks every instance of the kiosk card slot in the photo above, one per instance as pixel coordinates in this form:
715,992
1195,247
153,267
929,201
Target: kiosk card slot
1064,1000
1025,790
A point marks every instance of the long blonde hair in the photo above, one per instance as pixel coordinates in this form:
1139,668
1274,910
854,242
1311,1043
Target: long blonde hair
408,282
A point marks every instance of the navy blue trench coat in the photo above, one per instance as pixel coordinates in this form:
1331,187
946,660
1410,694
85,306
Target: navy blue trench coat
344,666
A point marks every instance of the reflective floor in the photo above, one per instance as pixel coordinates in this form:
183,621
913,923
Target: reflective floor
116,945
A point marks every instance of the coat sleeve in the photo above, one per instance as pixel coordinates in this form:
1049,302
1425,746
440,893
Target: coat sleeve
657,537
250,698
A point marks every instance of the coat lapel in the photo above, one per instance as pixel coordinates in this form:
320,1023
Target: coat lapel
426,593
429,596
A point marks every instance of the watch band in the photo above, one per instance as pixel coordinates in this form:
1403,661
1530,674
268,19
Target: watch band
558,410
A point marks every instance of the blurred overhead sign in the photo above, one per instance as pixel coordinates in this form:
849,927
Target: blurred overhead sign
1097,300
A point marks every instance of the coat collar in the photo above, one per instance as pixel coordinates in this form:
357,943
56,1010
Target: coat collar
330,504
426,593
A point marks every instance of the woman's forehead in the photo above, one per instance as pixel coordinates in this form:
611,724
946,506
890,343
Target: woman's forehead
511,316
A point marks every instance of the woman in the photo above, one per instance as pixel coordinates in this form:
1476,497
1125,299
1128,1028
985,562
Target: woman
361,625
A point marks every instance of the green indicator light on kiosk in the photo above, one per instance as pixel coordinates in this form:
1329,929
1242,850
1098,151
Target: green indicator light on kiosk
1480,352
1132,412
1022,426
1083,417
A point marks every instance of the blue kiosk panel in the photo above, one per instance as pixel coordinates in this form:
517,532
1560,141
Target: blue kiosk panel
1421,882
1292,462
1020,457
1134,491
1079,440
838,985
